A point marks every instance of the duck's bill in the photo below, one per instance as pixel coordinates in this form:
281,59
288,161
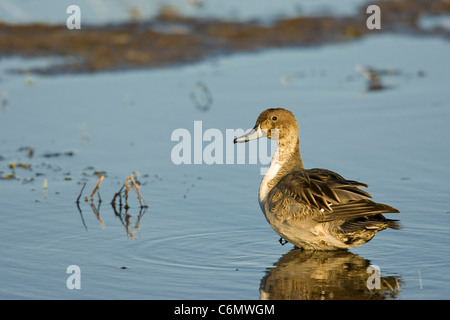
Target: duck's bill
253,134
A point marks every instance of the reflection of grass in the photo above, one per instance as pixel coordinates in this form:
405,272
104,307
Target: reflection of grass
124,216
130,184
172,38
394,290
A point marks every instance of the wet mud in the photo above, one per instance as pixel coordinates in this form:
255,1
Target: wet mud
172,39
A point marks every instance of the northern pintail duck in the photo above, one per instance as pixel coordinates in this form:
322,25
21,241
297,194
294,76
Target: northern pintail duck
312,208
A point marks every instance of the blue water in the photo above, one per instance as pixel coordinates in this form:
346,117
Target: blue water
203,235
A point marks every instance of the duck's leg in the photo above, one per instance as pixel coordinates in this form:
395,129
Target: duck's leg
283,241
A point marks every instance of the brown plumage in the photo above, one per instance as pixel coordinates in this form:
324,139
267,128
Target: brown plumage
313,208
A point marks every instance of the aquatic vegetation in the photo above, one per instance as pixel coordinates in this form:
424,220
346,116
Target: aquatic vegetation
172,38
124,216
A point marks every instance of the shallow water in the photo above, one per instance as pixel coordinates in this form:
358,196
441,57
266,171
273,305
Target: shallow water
203,235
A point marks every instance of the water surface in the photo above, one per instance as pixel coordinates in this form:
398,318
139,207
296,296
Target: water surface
203,235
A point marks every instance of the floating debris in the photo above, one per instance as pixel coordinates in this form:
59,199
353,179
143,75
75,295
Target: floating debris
22,165
58,154
374,82
286,79
9,176
201,96
13,166
99,173
374,76
27,180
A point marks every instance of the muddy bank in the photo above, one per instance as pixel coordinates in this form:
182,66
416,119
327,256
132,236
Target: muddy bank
171,38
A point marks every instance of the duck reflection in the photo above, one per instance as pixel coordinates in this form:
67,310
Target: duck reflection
326,275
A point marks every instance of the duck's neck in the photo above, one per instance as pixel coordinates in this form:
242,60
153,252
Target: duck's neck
286,158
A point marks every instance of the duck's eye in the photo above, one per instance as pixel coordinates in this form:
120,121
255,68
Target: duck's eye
274,118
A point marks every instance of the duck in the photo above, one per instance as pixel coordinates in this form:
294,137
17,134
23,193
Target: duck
313,209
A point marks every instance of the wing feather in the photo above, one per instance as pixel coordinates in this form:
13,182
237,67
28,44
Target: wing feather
329,192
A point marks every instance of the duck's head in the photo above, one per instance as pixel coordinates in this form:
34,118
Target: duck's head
274,123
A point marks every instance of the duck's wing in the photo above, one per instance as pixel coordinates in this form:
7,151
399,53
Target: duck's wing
325,195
